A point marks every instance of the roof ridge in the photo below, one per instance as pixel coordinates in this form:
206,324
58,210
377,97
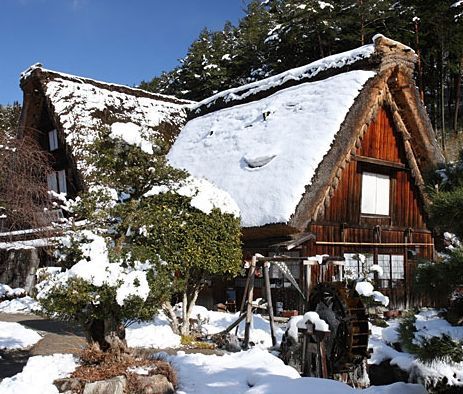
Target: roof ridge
380,52
38,71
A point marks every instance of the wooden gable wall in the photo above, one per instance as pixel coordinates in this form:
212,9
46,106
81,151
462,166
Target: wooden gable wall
381,151
381,142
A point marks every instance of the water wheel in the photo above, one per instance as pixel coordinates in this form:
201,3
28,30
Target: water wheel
347,343
345,313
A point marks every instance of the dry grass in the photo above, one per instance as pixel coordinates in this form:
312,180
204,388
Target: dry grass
97,365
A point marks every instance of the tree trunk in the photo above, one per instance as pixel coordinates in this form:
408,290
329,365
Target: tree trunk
101,330
187,309
362,22
167,307
185,330
419,65
457,95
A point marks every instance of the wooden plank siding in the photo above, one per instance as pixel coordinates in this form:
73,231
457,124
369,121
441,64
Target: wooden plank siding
344,229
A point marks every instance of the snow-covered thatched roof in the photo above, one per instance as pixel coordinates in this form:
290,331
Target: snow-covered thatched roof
82,108
276,145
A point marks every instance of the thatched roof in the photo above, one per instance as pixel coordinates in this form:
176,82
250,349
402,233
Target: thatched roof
83,108
278,146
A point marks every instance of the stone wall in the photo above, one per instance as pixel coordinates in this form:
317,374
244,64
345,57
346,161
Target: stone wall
18,267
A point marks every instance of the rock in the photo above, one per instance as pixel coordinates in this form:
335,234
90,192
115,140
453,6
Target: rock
233,344
68,384
155,384
115,385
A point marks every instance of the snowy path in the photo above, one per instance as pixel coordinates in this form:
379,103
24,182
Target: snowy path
57,337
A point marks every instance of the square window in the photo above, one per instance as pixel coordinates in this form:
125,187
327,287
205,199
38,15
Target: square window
53,140
375,194
52,182
56,181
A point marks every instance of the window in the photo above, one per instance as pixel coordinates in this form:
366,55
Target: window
375,194
392,266
353,268
53,140
393,269
57,181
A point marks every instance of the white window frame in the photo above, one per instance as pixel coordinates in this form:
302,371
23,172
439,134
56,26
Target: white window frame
53,140
376,190
56,181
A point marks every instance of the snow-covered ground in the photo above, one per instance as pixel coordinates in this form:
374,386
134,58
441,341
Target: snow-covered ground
254,371
20,305
158,334
259,372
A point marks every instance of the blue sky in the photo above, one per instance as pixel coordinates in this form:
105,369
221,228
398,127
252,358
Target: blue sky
121,41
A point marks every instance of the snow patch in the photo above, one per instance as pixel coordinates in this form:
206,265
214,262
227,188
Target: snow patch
132,134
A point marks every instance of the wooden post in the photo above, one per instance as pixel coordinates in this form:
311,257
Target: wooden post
252,271
243,299
322,350
268,295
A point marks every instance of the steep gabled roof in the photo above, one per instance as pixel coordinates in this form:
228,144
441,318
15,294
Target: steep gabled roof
82,108
277,145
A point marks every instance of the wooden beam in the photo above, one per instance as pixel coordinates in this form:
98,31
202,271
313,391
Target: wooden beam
385,244
380,162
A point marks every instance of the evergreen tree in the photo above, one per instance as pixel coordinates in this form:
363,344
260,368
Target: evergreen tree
9,118
143,241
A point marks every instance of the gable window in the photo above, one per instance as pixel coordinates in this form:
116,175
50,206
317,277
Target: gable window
56,181
375,194
53,140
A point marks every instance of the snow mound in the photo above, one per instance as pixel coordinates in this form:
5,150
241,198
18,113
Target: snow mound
132,134
20,305
38,375
16,336
366,289
154,334
312,317
7,291
205,196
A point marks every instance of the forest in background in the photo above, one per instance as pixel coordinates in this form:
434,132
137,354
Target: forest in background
277,35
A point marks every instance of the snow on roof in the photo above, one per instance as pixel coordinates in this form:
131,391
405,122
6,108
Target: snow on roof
84,108
265,152
307,71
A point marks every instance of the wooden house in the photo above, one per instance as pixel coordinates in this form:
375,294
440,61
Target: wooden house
65,114
325,159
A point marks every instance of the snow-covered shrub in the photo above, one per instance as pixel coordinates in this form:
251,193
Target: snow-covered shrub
364,286
428,349
439,280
